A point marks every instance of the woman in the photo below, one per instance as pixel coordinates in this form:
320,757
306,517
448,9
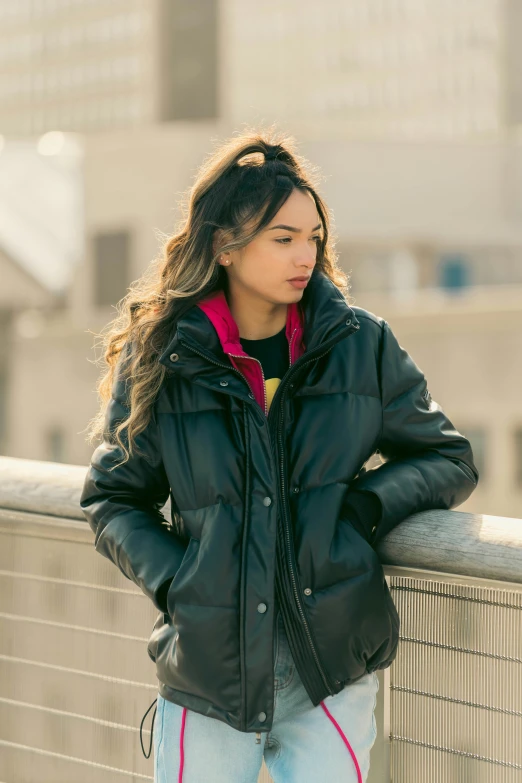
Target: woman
242,384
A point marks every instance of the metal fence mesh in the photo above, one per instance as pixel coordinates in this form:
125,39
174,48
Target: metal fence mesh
456,685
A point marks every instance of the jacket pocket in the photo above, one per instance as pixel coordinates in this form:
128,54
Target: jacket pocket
355,526
159,631
183,574
362,539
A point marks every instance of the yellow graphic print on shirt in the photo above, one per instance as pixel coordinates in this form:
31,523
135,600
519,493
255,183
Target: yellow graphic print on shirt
271,385
272,354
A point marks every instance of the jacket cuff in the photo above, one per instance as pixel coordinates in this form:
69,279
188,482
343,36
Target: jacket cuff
364,510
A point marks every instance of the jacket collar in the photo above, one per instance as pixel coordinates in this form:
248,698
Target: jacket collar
218,312
210,327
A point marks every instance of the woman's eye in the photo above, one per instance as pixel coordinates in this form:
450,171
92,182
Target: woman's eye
283,240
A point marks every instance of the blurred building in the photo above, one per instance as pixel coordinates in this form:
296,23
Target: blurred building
88,65
378,68
466,339
372,68
366,68
417,215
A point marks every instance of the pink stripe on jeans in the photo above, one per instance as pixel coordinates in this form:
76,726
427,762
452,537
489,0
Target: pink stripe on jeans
352,754
182,754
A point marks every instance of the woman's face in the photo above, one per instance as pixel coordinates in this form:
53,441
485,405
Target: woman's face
263,268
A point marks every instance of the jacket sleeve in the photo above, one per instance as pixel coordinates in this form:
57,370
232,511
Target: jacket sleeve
429,464
123,506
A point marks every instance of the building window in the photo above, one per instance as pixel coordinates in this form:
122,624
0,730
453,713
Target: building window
403,272
513,62
189,60
454,272
477,439
55,444
518,456
111,267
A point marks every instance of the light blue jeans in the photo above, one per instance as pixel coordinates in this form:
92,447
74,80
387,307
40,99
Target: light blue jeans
303,745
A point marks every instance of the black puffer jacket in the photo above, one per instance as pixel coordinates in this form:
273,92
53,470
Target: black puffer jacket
258,513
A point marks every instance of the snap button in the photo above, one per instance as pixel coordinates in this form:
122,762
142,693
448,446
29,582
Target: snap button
261,608
348,322
267,501
251,395
173,357
262,716
307,591
296,489
374,528
223,383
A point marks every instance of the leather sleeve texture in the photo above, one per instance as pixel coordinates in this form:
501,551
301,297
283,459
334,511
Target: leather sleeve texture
428,463
123,505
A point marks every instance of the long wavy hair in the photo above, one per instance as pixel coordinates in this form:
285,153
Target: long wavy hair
237,191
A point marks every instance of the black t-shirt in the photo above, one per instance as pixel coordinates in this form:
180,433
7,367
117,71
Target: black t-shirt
273,354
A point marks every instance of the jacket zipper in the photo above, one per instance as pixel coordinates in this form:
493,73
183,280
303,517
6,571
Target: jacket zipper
280,439
287,530
240,356
230,367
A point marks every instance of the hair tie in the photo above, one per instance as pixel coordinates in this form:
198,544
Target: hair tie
272,154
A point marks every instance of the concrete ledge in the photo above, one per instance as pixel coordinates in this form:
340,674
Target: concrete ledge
453,542
41,487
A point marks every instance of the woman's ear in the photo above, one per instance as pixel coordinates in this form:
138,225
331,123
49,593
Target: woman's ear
223,258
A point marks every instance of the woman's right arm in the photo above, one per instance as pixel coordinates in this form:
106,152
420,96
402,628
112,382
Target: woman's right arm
123,506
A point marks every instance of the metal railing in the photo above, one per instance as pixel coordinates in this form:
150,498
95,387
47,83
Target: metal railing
75,677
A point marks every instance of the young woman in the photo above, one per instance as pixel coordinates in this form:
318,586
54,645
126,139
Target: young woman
242,384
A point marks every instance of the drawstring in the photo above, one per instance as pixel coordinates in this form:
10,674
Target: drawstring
151,731
181,736
352,754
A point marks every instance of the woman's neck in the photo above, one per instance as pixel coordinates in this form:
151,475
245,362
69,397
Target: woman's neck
255,317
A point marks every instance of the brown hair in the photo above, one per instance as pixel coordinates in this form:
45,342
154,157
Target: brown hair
238,190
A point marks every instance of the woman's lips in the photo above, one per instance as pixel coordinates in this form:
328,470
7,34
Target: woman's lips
299,283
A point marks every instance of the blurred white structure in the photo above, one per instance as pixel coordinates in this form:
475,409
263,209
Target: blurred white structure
41,216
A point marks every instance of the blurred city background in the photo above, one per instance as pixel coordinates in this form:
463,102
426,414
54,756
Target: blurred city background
412,111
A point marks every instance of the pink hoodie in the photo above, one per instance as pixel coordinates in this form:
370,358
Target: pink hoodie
216,308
